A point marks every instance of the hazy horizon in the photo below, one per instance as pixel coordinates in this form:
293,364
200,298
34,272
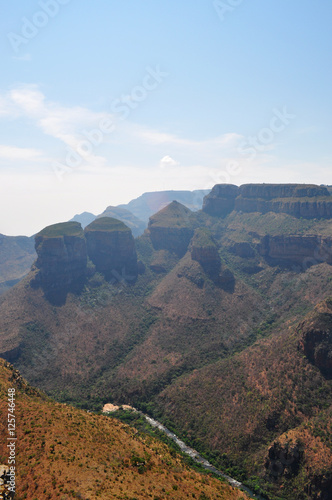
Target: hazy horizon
102,102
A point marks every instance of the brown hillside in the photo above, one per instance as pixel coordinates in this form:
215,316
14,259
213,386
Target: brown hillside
240,405
67,453
213,349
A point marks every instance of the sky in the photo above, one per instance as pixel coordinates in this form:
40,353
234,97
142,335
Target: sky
102,101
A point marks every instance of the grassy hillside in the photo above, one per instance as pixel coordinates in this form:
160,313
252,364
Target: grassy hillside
67,453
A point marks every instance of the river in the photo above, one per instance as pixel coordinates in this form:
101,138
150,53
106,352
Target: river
198,458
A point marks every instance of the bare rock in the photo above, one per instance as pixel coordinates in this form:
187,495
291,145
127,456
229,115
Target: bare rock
111,247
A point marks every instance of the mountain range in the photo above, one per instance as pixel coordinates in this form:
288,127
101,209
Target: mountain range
218,322
17,253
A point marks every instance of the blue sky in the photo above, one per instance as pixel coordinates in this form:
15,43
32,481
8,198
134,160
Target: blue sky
101,101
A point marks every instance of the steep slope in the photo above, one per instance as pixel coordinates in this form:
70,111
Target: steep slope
17,254
62,260
172,228
111,247
62,452
266,390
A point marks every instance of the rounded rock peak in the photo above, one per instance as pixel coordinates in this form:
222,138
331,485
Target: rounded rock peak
107,224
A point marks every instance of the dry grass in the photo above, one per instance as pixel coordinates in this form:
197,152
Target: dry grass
65,453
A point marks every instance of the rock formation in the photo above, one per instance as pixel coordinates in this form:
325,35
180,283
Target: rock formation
62,259
136,225
221,200
171,228
204,250
306,208
299,200
242,249
111,247
283,460
316,337
297,249
273,191
7,487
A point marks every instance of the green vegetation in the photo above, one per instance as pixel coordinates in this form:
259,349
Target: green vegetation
203,238
69,453
241,225
106,224
174,215
62,229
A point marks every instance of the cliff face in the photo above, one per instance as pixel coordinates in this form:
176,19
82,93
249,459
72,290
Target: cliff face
272,191
316,341
242,249
283,460
311,209
62,259
299,200
171,228
204,250
303,250
221,200
111,247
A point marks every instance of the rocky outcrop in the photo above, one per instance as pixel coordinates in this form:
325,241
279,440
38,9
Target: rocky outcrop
272,191
242,249
227,280
204,250
310,209
283,460
171,228
297,249
135,225
62,259
7,482
159,262
299,200
316,337
221,200
111,247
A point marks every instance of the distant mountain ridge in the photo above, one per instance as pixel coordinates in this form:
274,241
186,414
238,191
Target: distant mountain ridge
17,252
217,336
137,212
150,203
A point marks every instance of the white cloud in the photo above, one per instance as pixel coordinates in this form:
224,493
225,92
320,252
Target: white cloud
29,100
127,162
14,153
167,161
